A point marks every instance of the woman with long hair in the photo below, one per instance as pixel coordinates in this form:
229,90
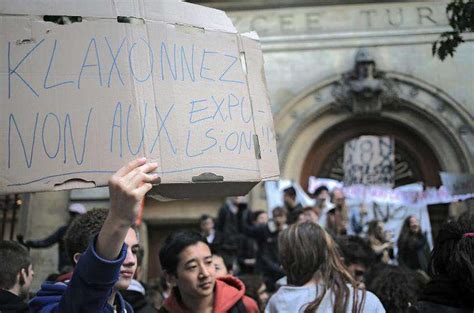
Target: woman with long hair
317,279
379,242
413,248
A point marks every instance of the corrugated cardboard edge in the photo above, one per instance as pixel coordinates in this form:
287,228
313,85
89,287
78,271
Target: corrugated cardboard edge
172,12
251,35
250,43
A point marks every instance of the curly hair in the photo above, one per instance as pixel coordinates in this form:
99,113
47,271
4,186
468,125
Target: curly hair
82,229
395,287
453,255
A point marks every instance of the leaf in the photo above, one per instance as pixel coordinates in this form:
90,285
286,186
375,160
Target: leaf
461,19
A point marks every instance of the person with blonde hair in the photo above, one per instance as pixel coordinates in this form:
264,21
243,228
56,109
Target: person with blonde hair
318,281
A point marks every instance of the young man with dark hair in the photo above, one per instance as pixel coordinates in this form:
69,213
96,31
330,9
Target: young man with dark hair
186,259
16,275
294,208
321,193
103,246
221,263
208,231
358,255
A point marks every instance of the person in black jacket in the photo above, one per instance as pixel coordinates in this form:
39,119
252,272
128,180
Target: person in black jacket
16,275
413,247
292,206
228,228
266,236
451,289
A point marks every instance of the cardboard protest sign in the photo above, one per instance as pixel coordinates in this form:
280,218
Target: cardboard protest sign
369,160
167,80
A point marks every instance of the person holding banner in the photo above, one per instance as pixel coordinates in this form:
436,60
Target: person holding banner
103,245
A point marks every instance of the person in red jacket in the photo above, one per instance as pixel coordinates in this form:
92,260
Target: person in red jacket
186,259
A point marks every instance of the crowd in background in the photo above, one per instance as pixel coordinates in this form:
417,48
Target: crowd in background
295,259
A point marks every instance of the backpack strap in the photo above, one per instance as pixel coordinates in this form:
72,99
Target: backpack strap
239,307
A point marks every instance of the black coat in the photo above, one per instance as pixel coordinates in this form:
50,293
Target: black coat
10,303
267,262
431,307
443,295
138,302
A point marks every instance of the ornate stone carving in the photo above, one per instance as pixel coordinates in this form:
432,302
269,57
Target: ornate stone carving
364,90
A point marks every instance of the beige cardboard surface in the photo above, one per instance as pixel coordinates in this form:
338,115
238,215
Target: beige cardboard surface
177,85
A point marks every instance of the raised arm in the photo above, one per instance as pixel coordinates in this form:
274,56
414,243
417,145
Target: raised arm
127,188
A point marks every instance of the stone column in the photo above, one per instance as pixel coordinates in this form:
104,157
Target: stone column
43,213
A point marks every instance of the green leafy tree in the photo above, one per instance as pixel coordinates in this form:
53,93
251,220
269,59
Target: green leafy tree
461,19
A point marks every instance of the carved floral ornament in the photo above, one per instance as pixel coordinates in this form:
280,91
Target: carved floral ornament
364,89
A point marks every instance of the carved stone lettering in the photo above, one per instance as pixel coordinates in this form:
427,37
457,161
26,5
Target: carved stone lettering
330,19
286,23
425,14
367,14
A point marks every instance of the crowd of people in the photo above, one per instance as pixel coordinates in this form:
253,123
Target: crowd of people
297,259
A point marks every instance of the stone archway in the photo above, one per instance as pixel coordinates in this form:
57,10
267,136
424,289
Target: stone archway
423,112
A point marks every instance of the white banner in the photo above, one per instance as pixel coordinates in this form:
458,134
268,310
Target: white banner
407,195
393,215
391,206
458,184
